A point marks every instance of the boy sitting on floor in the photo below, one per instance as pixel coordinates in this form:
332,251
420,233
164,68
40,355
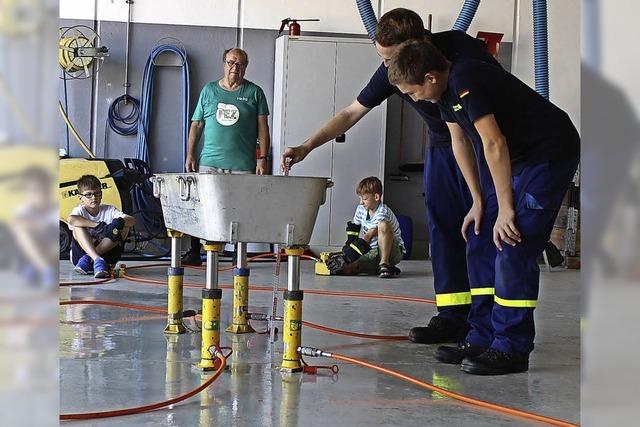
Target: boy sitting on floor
381,247
99,230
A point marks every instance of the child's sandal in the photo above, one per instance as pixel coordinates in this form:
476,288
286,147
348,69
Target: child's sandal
386,271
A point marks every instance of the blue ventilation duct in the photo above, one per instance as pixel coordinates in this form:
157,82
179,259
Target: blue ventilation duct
541,47
466,15
368,17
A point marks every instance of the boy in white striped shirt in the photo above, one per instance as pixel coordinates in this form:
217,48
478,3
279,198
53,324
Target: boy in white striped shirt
381,247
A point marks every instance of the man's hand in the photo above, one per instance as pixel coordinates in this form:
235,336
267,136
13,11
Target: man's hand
473,216
191,165
505,229
296,154
261,167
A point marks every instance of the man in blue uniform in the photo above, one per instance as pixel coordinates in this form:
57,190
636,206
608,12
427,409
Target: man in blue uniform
447,198
532,151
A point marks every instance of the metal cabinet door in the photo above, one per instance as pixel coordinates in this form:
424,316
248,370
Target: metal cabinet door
362,153
309,86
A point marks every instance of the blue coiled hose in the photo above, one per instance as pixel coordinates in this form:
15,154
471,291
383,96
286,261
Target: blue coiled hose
142,195
466,15
125,125
142,151
368,17
541,47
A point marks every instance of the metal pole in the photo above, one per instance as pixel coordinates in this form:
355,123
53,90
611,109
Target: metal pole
126,54
293,270
175,252
241,253
212,270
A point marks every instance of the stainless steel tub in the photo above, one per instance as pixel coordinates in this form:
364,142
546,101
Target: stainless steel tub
241,208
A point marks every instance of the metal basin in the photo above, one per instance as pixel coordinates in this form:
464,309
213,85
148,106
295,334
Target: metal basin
241,208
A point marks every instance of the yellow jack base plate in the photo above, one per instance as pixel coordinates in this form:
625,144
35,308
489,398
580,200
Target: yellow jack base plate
291,366
175,329
240,329
321,269
206,365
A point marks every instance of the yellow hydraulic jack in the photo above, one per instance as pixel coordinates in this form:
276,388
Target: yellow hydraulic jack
211,297
240,323
174,294
292,313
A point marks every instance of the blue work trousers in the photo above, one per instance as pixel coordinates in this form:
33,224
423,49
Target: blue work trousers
501,315
447,200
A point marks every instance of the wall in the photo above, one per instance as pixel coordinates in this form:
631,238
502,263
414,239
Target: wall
206,27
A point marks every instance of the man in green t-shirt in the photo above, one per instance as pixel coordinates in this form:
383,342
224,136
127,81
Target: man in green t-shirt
233,113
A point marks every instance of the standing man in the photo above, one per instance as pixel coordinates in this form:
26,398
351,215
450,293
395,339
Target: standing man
233,113
532,151
447,197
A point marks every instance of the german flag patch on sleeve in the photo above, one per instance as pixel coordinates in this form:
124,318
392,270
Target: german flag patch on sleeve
463,93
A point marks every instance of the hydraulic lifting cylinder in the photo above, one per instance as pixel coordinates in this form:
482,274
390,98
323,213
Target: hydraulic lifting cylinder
240,323
175,280
211,298
292,313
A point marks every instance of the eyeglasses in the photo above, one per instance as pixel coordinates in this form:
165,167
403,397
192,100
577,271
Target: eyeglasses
231,64
92,194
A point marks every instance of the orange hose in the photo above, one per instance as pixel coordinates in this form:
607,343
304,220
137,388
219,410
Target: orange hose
151,407
306,291
116,304
453,395
92,282
355,334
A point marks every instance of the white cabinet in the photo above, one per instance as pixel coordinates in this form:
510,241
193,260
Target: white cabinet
315,77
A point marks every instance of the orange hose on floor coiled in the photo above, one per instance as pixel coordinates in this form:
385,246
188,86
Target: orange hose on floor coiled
453,395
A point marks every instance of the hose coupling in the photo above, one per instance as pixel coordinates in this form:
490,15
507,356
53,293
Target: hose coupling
215,351
262,317
313,352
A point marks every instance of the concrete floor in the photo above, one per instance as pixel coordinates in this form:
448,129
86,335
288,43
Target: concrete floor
113,358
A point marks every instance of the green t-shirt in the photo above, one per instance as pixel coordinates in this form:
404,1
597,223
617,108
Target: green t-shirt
230,125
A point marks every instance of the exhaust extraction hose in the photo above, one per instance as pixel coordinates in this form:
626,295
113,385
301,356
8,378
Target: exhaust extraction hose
466,15
368,17
541,47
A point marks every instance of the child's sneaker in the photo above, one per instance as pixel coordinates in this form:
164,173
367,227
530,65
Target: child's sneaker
100,268
84,265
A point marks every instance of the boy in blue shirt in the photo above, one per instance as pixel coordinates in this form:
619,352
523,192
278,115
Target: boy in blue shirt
532,151
381,247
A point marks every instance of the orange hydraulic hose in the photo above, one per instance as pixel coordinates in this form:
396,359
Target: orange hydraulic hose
453,395
151,407
306,291
355,334
92,282
116,304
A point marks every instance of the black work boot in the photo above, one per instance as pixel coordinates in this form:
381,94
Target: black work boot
455,355
495,362
439,330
